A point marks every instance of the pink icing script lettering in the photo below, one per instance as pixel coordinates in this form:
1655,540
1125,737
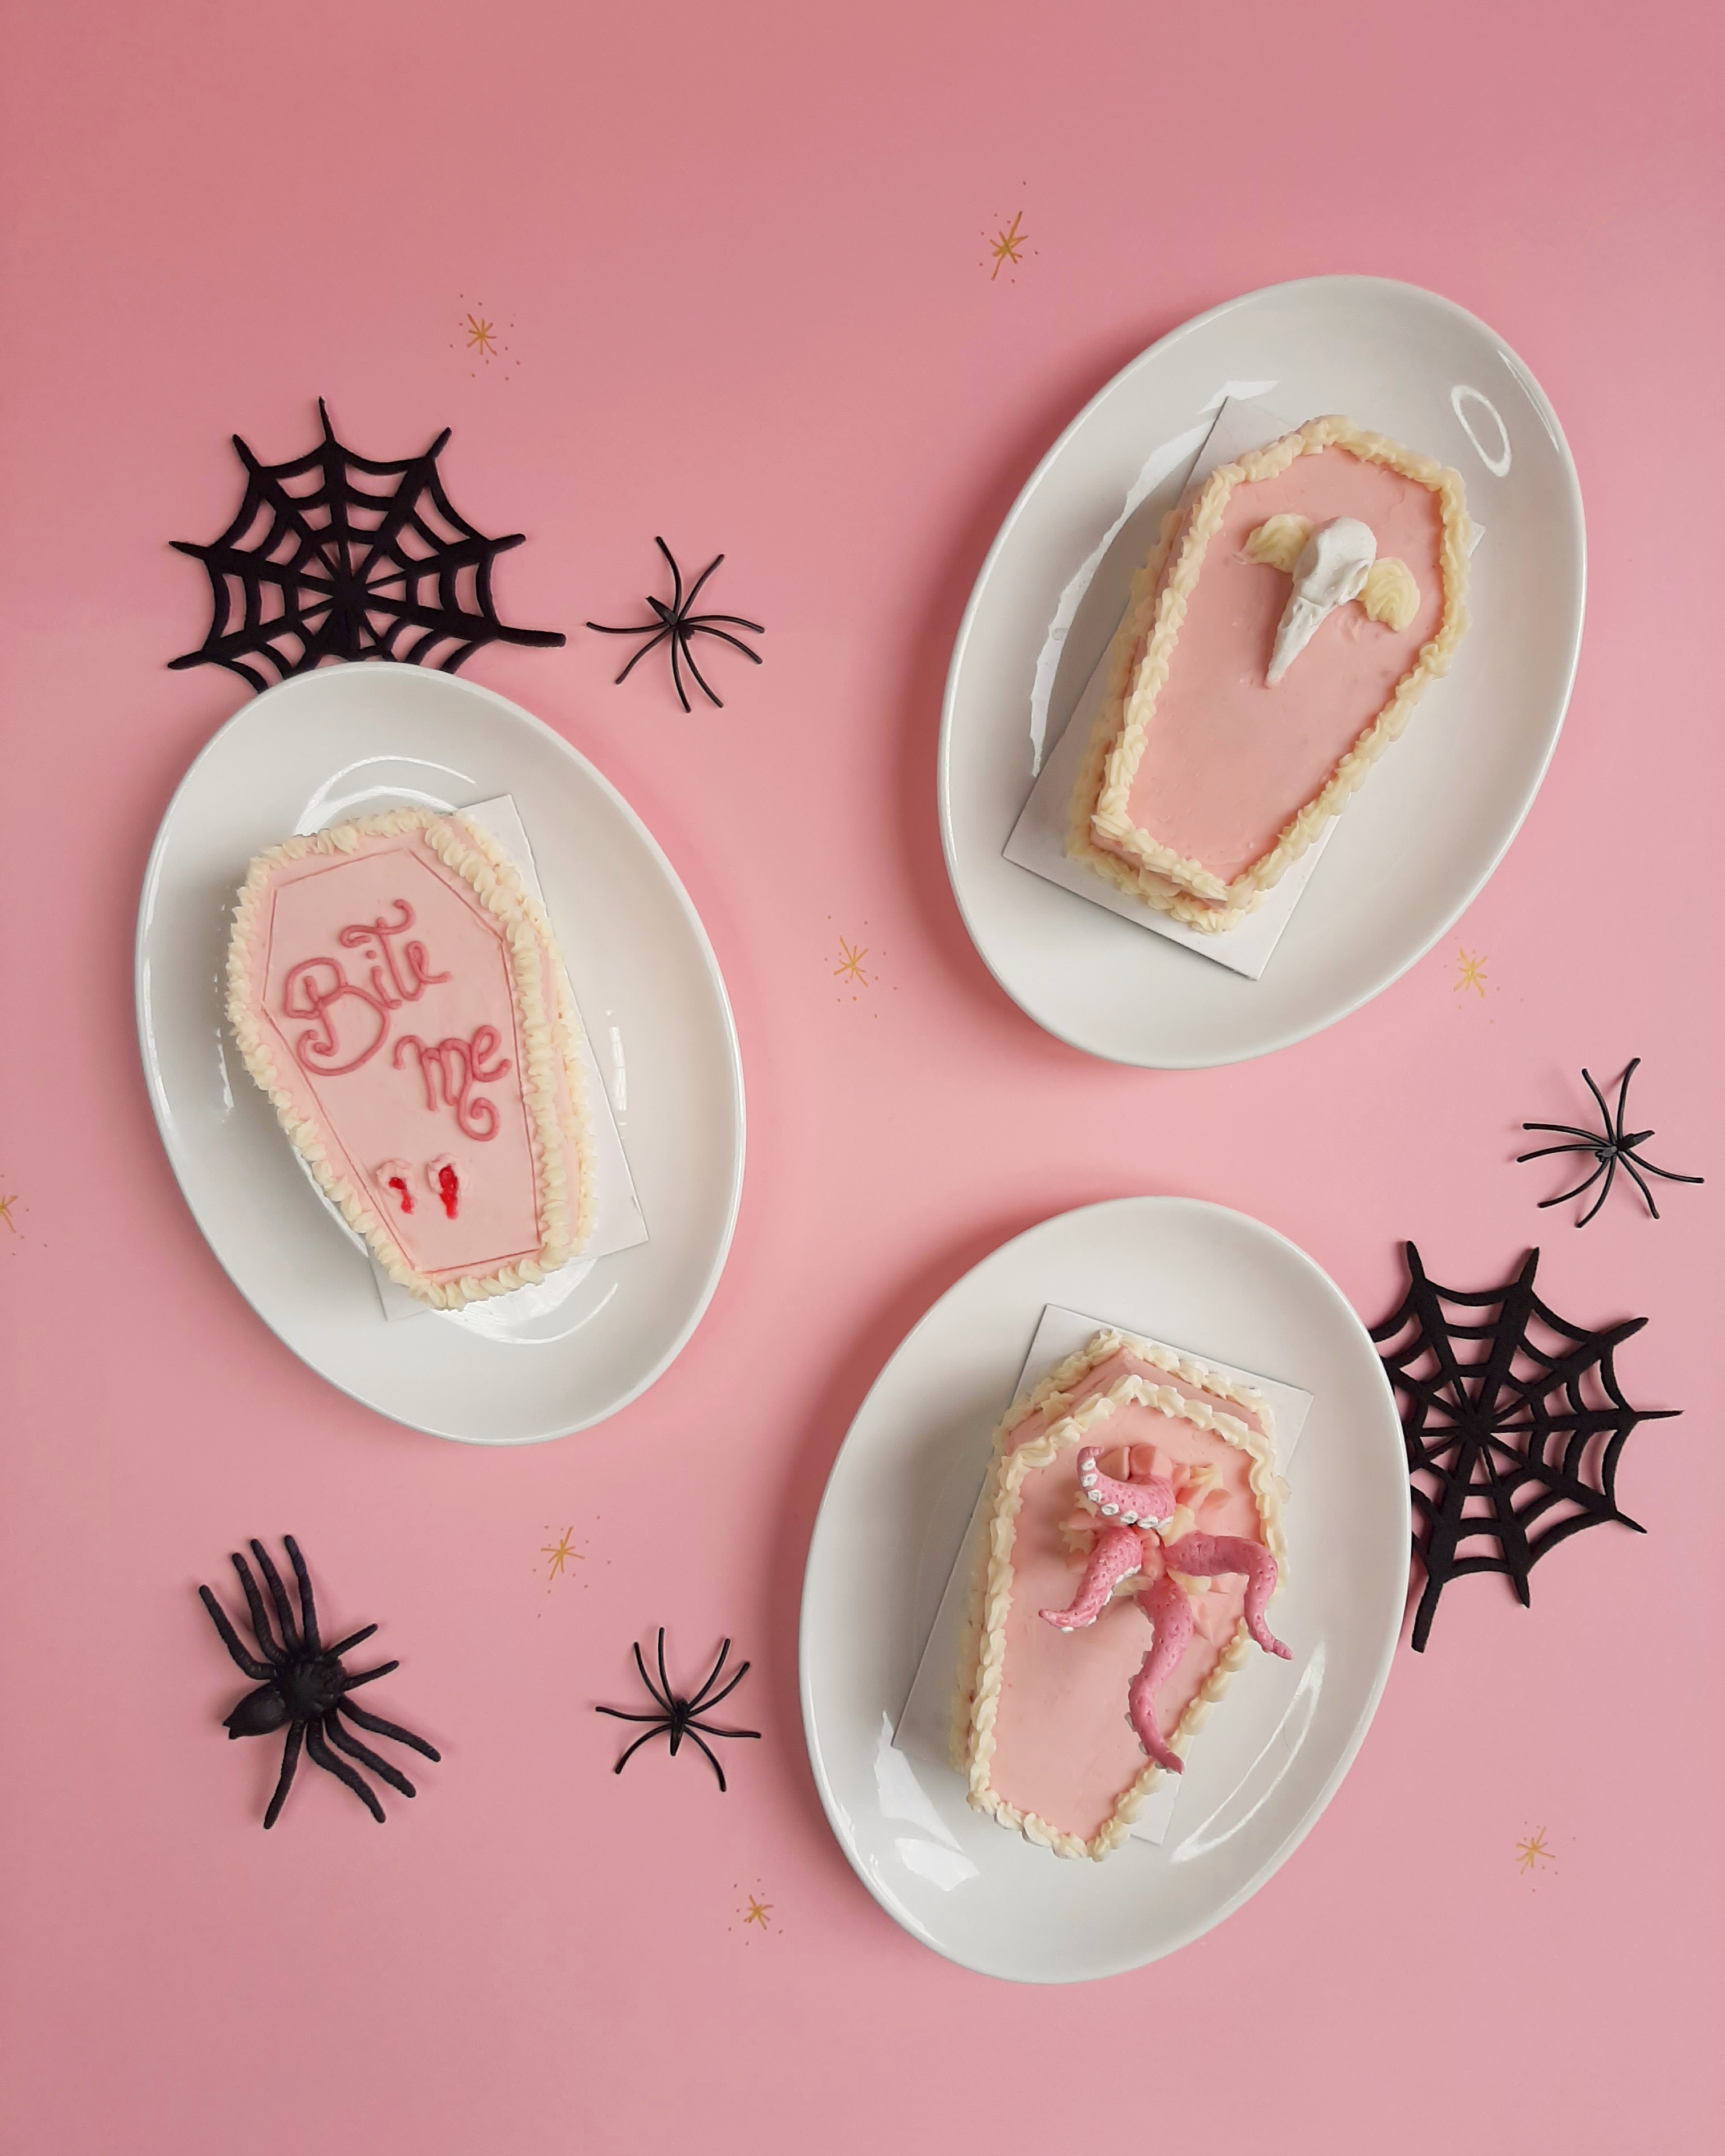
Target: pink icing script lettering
407,969
313,989
455,1067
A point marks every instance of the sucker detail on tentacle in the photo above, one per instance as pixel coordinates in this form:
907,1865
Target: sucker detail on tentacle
1165,1603
1118,1553
1150,1502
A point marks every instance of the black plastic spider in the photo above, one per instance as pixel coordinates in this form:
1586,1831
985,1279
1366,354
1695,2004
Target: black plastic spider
677,1718
1613,1148
675,622
305,1686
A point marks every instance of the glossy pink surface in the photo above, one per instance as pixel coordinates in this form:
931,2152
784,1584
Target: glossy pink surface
393,1106
738,261
1228,760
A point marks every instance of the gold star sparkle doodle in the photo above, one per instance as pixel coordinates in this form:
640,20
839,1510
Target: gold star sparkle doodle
1533,1851
481,338
1472,973
1007,246
479,333
757,1913
850,967
752,1911
6,1206
560,1552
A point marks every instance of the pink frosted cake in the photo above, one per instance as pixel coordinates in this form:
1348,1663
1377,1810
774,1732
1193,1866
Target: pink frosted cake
399,996
1294,609
1134,1540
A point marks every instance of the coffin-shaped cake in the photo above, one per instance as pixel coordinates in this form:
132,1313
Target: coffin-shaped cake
1134,1538
399,994
1294,609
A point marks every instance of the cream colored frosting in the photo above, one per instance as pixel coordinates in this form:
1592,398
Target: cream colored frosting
1106,830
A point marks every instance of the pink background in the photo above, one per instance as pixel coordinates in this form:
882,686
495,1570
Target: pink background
736,258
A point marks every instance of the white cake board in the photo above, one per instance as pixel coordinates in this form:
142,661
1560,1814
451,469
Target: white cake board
924,1727
1039,838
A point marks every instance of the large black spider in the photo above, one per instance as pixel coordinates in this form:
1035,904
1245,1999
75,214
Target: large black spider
677,1717
676,622
1612,1147
305,1686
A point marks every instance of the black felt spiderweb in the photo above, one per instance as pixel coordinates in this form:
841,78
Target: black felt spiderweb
1513,1425
336,555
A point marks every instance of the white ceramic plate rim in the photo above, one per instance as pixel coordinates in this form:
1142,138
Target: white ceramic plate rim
158,1101
1327,1015
824,1526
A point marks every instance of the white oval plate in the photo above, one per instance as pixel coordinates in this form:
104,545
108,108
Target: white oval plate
1273,1752
354,740
1435,816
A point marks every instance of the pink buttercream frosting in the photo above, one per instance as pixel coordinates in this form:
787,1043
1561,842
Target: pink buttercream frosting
1065,1747
385,989
1228,760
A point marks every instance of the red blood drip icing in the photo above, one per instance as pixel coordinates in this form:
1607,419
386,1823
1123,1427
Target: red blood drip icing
449,1189
399,1182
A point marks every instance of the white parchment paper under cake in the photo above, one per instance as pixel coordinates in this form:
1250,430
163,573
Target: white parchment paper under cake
924,1728
1039,838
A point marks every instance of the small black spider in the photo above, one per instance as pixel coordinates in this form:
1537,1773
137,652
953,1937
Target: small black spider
677,1717
676,622
1612,1147
305,1686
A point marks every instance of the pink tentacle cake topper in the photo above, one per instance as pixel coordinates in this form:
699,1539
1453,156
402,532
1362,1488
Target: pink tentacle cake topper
1132,1542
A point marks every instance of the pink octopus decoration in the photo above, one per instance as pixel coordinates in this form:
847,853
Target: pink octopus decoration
1133,1517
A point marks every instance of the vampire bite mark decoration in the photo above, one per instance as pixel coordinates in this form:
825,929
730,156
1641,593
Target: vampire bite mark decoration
344,569
1612,1147
305,1688
676,623
676,1718
1512,1443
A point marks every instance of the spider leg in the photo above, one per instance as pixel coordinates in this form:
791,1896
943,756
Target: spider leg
712,1677
290,1760
308,1607
367,1758
1605,1112
1569,1130
707,1728
1670,1174
712,693
736,621
1622,1097
705,1701
352,1639
379,1728
1581,1145
365,1676
665,1692
277,1595
637,1745
676,573
651,642
617,1714
230,1639
1576,1191
1610,1167
694,587
254,1603
1629,1168
724,636
679,642
623,629
320,1755
711,1761
662,1697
